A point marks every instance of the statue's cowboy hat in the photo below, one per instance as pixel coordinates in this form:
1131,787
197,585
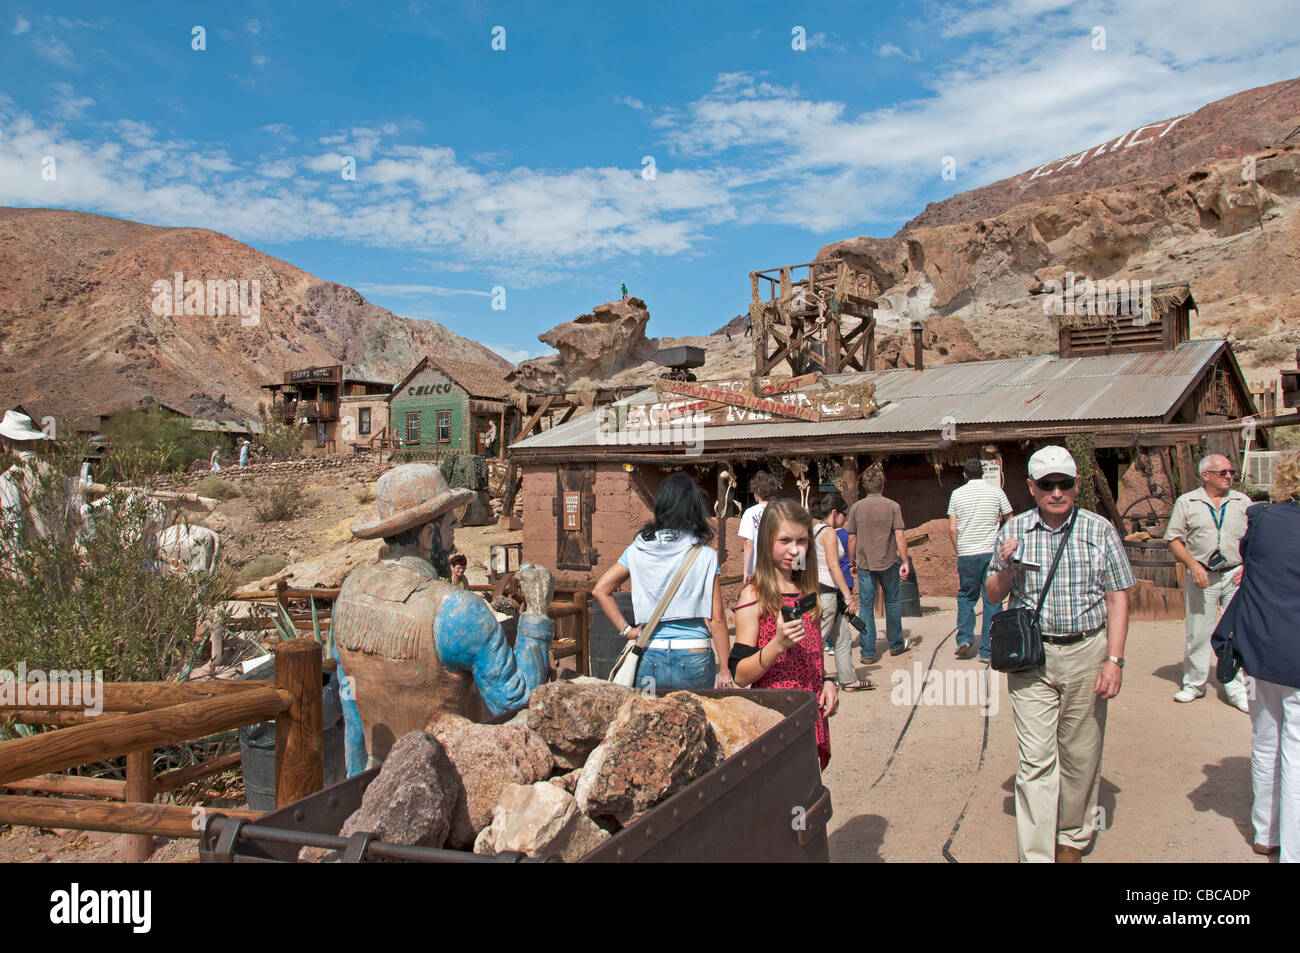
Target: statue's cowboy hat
18,426
406,497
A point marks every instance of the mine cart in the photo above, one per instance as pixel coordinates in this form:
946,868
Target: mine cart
764,803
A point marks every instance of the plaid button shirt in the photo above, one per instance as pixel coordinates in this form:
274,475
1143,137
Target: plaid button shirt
1093,564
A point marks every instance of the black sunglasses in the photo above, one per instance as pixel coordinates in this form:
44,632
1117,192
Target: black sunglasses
1224,473
1047,486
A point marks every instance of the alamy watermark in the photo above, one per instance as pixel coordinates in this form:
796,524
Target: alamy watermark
967,687
658,425
1106,297
214,298
37,688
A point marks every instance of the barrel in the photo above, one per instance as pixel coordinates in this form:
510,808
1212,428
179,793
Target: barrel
909,593
1151,559
605,643
257,743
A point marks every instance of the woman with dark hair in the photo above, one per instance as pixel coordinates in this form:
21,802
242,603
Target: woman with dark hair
691,643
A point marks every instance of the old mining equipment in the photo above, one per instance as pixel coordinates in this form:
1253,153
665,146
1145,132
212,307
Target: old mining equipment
679,361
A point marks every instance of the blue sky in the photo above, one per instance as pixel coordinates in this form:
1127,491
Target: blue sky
525,167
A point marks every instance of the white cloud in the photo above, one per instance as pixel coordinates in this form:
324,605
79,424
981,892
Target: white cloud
253,26
257,59
50,47
892,49
823,41
21,25
67,104
403,291
629,101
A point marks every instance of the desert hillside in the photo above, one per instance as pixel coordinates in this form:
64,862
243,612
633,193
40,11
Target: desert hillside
79,332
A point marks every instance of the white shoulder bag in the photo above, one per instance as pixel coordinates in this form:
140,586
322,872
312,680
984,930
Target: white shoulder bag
624,670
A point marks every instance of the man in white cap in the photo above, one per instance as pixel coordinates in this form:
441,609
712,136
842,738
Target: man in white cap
1205,528
1059,708
412,644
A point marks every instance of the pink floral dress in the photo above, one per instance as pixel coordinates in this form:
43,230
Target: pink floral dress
800,667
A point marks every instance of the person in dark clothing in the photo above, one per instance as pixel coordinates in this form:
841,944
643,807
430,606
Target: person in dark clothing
1261,621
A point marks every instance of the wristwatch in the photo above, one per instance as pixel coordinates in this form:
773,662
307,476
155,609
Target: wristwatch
1117,659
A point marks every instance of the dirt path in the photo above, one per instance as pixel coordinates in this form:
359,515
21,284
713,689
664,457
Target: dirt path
934,782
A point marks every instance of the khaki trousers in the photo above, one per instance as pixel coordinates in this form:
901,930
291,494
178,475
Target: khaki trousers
1060,725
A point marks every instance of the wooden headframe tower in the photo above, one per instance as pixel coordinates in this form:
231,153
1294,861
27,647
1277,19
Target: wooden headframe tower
819,316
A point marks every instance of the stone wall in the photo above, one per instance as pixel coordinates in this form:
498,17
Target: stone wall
361,468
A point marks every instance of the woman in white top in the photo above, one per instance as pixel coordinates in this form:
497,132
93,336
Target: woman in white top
829,512
691,643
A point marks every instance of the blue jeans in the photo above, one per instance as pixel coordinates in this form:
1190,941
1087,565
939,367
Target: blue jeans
971,571
674,669
888,581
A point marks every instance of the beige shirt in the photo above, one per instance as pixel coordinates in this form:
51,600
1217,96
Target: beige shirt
1192,522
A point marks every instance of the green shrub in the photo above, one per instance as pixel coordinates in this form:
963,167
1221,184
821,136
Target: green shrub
278,502
467,470
1248,332
278,440
153,440
216,488
71,600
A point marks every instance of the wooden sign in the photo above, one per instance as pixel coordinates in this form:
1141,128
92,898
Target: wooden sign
572,510
739,399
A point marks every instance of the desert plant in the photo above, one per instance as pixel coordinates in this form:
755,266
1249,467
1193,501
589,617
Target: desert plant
1247,332
278,502
215,487
1272,352
70,598
366,495
279,440
259,567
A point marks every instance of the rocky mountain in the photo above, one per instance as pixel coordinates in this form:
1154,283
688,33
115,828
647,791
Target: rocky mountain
89,320
1227,223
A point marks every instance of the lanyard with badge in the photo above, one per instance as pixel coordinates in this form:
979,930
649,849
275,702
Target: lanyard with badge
1217,558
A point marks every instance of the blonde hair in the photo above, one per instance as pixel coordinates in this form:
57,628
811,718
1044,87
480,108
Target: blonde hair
767,578
1286,478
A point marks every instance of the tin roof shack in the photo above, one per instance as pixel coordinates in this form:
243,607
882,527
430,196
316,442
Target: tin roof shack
445,405
589,484
313,394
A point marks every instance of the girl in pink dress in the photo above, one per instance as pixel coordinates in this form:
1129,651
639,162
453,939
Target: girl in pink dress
769,651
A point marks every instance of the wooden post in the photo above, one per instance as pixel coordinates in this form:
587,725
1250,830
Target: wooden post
139,790
834,359
280,598
299,756
1187,474
501,443
850,466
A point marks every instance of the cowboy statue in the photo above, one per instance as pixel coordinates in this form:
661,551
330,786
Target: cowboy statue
413,645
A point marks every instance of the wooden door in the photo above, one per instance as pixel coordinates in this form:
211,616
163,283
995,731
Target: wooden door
575,501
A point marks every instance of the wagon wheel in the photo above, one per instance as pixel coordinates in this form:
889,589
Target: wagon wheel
1153,516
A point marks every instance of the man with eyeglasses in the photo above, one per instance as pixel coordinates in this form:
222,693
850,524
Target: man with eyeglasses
1205,528
1059,708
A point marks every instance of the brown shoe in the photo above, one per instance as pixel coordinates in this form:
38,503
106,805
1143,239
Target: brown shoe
965,651
1266,851
1065,854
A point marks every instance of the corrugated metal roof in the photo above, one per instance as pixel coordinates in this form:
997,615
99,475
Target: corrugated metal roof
1035,390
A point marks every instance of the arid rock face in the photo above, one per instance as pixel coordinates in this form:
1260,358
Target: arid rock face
593,346
655,747
1234,241
79,334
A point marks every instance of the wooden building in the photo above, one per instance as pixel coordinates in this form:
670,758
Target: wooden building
335,404
446,405
588,485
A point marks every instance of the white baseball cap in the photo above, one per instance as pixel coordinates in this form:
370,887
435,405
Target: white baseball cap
1052,460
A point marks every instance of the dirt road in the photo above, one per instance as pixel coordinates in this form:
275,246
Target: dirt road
927,781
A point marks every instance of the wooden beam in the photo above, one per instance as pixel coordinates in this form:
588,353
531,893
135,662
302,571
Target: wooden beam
299,764
139,790
160,820
81,744
63,784
171,780
532,421
1186,468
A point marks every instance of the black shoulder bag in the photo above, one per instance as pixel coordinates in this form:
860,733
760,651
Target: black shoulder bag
1016,639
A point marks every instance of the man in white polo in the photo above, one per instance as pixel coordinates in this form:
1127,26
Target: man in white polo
975,511
1205,527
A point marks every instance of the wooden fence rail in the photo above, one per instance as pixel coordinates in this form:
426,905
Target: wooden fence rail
142,716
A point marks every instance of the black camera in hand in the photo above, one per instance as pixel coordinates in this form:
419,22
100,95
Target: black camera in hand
1215,562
